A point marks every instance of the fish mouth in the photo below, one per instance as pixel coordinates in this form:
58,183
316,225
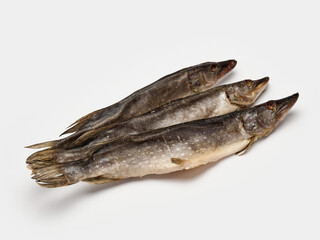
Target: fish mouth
226,66
260,85
284,105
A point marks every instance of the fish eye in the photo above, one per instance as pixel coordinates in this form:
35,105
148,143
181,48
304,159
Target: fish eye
213,67
249,83
271,105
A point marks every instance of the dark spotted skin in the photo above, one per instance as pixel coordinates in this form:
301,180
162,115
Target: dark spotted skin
190,144
185,82
169,149
151,152
211,103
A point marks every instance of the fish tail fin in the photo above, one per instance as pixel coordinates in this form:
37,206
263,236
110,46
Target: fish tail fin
42,159
50,176
49,157
48,169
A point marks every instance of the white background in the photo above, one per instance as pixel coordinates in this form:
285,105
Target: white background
62,59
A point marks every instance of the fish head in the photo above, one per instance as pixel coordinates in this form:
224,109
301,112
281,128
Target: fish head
263,119
205,75
246,92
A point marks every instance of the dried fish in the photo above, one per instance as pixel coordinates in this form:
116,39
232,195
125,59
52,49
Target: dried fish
214,102
170,149
183,83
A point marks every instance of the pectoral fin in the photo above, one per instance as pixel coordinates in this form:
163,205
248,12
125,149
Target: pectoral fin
178,161
99,180
246,148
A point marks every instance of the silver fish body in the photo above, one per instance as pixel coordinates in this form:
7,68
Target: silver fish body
211,103
170,149
214,102
182,83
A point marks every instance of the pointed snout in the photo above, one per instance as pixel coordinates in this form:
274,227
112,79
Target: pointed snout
256,88
226,66
260,84
285,104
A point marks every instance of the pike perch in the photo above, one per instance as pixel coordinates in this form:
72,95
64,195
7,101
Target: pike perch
214,102
180,84
169,149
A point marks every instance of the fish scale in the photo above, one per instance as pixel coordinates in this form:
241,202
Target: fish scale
180,84
213,102
209,139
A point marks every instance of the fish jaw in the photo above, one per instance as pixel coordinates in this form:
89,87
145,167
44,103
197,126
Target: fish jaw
259,87
284,105
225,67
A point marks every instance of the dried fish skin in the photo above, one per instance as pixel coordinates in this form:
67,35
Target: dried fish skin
170,149
214,102
182,83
